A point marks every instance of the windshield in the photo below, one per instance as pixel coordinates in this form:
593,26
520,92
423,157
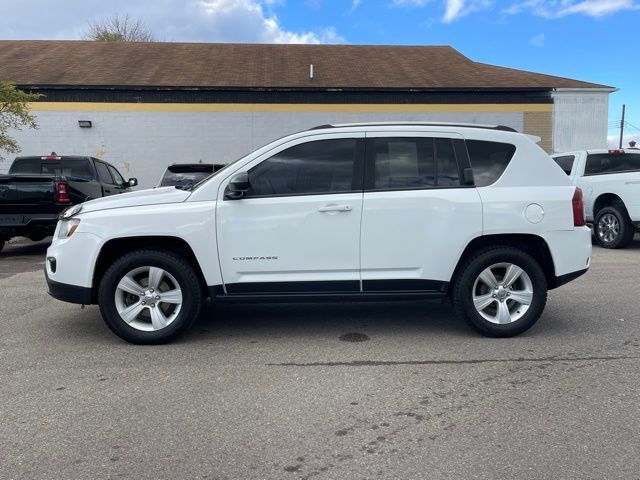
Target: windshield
184,175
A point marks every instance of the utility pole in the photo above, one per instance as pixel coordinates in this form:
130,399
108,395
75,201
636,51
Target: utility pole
621,126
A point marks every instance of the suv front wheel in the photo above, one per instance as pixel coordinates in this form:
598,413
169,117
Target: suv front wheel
149,296
500,291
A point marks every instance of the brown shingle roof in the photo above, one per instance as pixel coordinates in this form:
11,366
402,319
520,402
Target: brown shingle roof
86,63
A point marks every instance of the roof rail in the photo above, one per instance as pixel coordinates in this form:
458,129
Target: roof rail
425,124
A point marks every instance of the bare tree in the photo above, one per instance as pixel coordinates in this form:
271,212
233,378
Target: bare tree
119,29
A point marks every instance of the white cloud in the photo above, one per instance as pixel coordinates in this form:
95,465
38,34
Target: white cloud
246,21
409,3
453,9
538,40
561,8
613,141
169,20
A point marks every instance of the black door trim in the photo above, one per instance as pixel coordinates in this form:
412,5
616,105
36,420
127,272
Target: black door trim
405,285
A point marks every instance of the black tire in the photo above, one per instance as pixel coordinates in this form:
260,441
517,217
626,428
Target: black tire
176,266
622,232
463,290
2,241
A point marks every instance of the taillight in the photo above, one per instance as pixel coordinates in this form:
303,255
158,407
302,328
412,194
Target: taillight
62,193
578,208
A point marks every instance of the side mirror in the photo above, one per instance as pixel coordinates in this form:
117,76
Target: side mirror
132,182
467,177
238,186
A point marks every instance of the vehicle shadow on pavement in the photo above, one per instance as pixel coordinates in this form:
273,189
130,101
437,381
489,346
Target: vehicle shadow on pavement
328,319
25,248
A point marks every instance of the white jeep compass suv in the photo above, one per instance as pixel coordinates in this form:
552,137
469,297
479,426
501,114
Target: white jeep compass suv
383,211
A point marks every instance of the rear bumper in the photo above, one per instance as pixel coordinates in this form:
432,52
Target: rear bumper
566,278
25,224
68,293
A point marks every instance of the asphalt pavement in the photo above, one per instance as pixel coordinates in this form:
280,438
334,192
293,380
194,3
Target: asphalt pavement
398,390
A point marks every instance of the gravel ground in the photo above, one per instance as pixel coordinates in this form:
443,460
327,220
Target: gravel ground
283,392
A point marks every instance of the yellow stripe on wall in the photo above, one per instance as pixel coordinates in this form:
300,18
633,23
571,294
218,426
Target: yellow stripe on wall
287,107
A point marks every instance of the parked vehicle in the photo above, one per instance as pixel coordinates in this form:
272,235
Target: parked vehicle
37,189
365,211
185,174
610,180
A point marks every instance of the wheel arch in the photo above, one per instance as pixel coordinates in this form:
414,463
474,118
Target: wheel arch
116,247
533,245
607,200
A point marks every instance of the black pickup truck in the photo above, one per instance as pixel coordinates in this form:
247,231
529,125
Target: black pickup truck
37,189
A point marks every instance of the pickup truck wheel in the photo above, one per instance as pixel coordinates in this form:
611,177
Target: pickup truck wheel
149,297
500,291
2,240
613,228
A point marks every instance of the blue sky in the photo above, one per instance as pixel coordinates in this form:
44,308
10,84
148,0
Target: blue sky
592,40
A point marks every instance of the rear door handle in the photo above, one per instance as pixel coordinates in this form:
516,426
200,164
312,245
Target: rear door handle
335,208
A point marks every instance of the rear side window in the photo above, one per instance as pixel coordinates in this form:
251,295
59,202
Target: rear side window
489,160
70,167
319,167
103,173
413,163
404,163
447,165
604,163
565,162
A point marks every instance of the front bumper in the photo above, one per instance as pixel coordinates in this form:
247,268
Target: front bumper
68,293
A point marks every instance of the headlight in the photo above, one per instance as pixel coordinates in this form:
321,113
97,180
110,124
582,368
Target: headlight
70,212
68,227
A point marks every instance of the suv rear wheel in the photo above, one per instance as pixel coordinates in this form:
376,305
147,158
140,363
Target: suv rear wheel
500,291
613,228
149,296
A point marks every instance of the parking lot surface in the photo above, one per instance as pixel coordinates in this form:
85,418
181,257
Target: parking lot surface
398,390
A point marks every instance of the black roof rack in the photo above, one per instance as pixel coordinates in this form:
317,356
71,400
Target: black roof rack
425,124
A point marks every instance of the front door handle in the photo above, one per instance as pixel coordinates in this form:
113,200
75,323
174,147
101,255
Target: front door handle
335,208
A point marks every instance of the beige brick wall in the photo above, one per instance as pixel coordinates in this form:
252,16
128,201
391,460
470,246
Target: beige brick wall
540,124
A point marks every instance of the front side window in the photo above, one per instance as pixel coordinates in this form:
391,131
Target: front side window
318,167
488,160
603,163
116,176
565,162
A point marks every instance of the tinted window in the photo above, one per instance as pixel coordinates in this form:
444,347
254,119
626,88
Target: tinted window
103,173
403,162
602,163
488,160
175,178
70,167
566,163
447,165
323,166
116,175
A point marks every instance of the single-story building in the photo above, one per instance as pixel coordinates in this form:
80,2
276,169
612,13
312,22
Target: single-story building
143,106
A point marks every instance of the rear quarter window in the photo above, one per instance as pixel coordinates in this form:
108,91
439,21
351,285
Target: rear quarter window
565,162
489,160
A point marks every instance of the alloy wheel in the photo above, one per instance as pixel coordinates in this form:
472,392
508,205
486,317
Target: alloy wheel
502,293
148,298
